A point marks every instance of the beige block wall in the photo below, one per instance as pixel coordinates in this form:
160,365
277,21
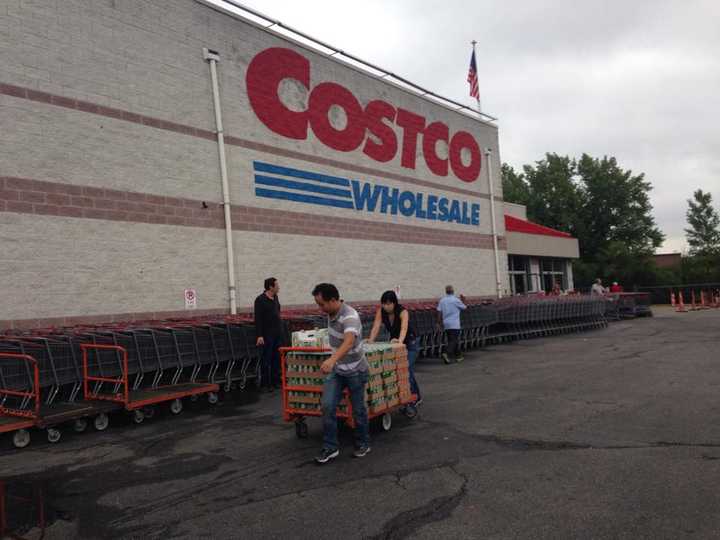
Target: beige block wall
542,246
62,267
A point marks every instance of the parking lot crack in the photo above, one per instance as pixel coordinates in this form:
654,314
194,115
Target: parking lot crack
406,523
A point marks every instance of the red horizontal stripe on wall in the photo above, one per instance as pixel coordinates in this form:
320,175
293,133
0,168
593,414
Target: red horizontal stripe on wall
28,196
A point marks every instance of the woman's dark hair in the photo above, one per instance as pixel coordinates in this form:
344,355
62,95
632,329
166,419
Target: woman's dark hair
389,297
327,291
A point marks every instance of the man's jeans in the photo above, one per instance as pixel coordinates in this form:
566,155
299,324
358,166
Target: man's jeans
453,345
270,374
412,352
332,395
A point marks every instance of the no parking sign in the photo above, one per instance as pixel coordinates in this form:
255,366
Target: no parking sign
190,299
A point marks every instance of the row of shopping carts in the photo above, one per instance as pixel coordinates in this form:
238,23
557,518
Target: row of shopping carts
76,376
510,319
55,378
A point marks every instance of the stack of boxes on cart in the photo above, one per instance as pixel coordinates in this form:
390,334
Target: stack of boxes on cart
388,382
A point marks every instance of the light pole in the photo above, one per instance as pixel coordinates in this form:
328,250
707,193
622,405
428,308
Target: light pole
498,285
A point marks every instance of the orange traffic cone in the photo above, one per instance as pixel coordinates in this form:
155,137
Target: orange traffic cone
672,299
692,296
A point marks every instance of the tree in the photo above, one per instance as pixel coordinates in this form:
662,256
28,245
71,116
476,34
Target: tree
554,199
515,188
704,235
616,208
605,207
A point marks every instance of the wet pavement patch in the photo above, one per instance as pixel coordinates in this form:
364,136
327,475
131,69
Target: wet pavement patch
27,505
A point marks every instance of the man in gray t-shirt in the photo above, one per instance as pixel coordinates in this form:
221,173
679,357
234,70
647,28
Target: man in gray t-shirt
347,367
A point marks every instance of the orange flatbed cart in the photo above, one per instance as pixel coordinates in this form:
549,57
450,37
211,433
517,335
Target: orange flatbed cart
344,412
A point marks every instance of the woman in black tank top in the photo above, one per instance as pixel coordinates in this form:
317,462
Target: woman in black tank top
396,320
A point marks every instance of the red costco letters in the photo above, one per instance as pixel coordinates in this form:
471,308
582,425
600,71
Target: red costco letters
271,66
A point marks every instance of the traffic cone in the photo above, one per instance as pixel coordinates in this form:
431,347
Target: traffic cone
702,300
681,304
692,297
672,299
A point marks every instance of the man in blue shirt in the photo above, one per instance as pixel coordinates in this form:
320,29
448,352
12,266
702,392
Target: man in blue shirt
449,309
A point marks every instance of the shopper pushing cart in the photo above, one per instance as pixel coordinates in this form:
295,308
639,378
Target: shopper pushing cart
347,367
396,320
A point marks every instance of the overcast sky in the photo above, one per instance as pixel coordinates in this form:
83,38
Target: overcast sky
638,80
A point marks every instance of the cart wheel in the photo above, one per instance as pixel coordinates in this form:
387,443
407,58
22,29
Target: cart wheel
53,435
101,422
213,398
194,398
176,406
138,416
301,429
80,425
149,412
410,411
386,421
228,388
21,438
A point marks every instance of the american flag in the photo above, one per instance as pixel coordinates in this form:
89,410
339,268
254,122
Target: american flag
472,78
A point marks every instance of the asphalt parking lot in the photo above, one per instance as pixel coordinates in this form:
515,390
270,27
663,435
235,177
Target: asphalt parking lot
611,433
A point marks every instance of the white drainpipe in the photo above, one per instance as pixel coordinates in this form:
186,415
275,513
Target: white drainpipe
213,58
498,284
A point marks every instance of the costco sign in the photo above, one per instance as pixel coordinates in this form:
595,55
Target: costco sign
393,129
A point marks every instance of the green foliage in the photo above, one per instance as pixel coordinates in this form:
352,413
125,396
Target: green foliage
702,268
605,207
703,236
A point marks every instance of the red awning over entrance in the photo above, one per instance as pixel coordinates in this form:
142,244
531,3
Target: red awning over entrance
513,224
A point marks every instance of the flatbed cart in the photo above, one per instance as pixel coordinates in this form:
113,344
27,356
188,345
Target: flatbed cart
314,388
139,401
29,411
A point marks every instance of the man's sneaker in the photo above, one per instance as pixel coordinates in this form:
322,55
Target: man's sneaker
418,402
459,359
445,358
362,451
326,455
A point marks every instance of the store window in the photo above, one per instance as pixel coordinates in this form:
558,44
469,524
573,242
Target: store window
552,270
519,270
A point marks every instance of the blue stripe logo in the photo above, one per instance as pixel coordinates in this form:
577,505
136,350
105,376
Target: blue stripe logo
287,184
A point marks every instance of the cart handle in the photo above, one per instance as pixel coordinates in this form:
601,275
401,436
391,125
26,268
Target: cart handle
125,399
304,349
34,393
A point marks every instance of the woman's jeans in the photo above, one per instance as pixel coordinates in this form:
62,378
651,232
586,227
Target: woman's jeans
412,352
332,395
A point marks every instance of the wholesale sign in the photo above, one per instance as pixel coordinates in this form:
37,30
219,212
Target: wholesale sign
307,187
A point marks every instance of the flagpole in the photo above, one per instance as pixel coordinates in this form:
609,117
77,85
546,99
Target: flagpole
491,192
475,56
